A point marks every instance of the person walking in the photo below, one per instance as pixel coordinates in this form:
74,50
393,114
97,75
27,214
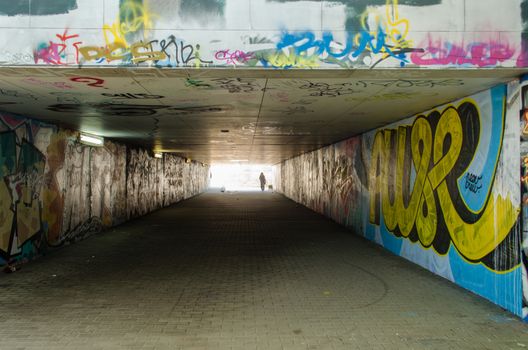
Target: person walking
262,179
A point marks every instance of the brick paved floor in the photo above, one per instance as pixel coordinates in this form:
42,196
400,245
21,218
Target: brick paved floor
240,271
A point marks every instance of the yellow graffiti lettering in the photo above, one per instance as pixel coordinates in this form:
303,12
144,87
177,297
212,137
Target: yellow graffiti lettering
116,51
134,17
149,55
388,205
395,28
281,60
90,53
112,34
112,52
433,158
422,197
480,238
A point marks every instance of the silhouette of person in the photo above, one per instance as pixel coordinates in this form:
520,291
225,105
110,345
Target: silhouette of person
262,179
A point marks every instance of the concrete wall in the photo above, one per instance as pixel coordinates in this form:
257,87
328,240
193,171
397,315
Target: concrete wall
440,188
54,190
265,33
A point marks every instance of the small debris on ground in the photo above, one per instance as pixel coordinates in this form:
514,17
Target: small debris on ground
10,269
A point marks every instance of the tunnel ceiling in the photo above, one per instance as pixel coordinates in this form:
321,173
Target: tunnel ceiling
218,116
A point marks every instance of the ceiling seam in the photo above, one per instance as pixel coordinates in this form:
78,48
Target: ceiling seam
258,115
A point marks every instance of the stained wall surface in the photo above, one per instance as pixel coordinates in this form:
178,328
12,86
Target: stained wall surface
440,188
54,190
277,34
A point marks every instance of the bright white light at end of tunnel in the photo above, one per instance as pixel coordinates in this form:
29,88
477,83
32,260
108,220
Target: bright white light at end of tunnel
241,177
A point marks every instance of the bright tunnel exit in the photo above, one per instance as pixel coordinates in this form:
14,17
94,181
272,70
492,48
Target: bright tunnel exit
242,177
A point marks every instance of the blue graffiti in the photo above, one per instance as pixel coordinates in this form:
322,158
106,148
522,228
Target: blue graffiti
484,164
355,45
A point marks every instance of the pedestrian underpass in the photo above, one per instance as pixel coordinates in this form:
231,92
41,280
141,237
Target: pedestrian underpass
404,122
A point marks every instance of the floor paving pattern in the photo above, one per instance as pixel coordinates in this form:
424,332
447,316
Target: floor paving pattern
241,270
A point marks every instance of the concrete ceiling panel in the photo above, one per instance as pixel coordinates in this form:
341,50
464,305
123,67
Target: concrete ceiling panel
219,116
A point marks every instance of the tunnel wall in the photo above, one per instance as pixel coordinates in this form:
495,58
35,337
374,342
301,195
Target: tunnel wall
276,34
55,190
440,189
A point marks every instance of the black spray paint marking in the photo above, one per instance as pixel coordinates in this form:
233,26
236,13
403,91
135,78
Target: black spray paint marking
129,95
134,110
473,182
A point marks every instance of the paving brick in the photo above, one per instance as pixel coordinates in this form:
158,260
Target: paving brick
241,271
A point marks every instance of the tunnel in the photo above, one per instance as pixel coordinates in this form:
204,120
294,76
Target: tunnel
392,140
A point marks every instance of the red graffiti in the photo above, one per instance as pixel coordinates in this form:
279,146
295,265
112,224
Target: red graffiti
233,57
64,37
55,53
91,81
480,54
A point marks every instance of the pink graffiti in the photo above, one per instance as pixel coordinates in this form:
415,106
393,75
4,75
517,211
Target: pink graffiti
55,52
480,54
233,57
50,54
55,84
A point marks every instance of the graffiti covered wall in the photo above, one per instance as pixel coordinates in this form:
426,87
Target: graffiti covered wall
55,190
524,189
278,34
440,189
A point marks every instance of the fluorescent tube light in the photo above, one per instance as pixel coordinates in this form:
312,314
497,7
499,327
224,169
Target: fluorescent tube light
91,140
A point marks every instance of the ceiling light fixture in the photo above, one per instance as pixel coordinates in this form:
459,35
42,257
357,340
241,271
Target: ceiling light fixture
158,155
91,140
239,160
